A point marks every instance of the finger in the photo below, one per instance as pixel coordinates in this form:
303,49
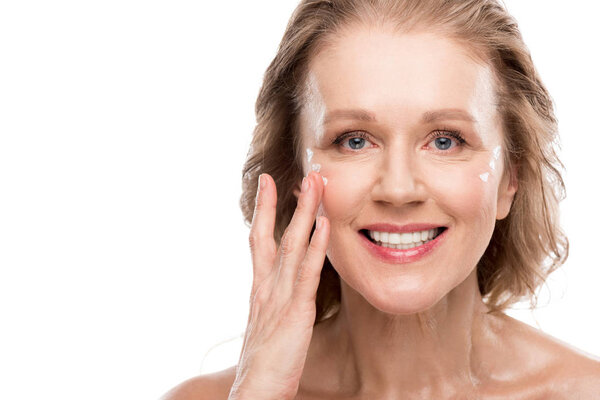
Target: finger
295,240
309,272
262,244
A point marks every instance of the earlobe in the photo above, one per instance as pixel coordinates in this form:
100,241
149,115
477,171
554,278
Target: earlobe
506,192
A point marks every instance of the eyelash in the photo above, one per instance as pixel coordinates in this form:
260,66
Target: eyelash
347,135
438,133
446,132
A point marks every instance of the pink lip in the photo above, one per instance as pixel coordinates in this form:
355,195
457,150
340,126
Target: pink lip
398,256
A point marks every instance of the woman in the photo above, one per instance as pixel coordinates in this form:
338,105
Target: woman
420,137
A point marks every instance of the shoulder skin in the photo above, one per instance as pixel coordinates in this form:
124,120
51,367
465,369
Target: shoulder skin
214,386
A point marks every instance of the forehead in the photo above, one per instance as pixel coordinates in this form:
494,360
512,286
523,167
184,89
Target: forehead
397,75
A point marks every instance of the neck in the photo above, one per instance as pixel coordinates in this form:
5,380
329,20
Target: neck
432,351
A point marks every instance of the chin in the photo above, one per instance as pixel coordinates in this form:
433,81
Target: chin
403,302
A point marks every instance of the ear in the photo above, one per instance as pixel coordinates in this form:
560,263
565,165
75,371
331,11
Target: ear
506,191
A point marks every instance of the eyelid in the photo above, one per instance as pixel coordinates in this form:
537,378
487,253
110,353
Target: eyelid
346,135
449,132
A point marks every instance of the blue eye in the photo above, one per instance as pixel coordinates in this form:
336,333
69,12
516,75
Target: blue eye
352,140
356,143
443,143
443,139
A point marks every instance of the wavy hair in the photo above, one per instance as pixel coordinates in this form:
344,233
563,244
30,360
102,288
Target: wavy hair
528,244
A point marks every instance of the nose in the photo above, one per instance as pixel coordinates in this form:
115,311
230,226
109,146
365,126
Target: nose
399,179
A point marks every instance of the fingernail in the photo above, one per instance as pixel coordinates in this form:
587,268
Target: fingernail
319,222
261,183
305,185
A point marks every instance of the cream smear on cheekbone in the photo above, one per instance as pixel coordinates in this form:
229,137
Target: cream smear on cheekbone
309,155
495,156
497,152
314,166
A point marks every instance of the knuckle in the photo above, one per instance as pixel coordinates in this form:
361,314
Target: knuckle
302,275
287,243
253,240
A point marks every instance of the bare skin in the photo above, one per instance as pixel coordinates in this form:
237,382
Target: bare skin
418,330
555,371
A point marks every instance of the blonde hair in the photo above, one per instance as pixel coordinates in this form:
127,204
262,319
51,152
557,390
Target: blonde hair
528,244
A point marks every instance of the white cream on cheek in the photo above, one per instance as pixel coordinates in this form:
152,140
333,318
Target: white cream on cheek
314,166
309,155
497,152
495,155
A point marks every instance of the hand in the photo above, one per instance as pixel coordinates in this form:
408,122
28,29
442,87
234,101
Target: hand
284,290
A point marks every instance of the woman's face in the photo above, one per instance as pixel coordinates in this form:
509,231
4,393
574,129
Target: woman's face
405,130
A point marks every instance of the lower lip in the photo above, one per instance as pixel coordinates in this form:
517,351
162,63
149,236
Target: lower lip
399,256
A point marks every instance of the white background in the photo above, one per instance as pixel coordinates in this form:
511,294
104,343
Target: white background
124,126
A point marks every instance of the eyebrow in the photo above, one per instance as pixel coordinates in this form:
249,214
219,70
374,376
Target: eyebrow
427,117
358,114
447,114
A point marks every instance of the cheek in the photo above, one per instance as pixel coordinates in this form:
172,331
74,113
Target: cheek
455,189
460,192
347,188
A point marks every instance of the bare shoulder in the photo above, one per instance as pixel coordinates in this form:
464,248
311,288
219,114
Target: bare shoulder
565,371
577,374
214,386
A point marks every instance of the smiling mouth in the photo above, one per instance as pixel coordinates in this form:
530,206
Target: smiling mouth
402,241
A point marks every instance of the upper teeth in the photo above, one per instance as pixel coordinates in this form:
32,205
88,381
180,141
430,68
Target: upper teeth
403,238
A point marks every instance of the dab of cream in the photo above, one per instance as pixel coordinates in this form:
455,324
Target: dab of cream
497,152
492,164
325,181
484,177
316,167
309,155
